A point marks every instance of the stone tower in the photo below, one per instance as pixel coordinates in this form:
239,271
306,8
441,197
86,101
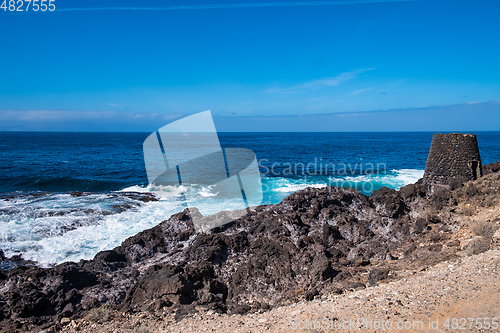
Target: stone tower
452,156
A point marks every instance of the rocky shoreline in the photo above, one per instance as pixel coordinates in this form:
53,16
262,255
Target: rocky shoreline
315,242
464,288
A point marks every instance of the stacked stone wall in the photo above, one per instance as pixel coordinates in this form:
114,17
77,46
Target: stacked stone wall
452,156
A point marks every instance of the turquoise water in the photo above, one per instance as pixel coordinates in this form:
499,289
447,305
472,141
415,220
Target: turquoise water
43,221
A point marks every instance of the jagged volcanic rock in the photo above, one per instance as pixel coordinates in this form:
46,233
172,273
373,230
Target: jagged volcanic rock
491,168
315,240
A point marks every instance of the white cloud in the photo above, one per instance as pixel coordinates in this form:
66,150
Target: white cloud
321,83
73,115
78,120
361,90
236,5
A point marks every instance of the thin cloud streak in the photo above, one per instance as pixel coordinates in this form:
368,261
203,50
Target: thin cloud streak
83,121
236,5
361,90
321,83
75,115
433,118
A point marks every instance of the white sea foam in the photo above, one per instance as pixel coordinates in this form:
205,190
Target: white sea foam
409,176
394,179
168,191
53,228
33,228
160,190
84,242
290,188
206,192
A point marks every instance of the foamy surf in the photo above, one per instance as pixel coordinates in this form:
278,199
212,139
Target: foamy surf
366,183
51,228
290,188
169,191
85,241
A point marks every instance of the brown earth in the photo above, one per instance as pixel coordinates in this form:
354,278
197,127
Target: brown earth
467,287
318,250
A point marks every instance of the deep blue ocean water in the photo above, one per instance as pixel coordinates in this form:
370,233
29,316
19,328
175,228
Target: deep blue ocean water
40,218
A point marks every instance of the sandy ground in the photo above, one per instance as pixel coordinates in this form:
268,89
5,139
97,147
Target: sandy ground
465,288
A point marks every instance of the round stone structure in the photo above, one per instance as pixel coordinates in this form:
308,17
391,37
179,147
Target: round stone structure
451,156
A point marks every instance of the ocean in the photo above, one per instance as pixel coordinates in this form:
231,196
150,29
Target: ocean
67,196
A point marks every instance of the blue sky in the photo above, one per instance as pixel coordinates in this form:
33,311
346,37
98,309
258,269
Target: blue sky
257,65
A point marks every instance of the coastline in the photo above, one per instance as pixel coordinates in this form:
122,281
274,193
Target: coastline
434,295
252,264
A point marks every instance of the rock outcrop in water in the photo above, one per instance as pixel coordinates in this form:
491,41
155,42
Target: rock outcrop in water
314,241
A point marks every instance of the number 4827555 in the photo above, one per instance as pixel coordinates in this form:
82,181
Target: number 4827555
26,5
